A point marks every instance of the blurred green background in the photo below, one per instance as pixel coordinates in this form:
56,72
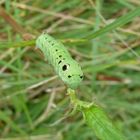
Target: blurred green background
33,100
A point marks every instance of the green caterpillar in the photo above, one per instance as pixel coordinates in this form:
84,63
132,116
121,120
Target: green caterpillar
57,55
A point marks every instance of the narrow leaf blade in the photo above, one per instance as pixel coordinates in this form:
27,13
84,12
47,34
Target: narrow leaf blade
117,23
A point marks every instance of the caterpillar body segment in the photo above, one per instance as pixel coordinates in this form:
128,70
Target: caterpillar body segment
58,56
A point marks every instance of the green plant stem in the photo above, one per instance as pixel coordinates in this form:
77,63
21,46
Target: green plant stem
78,104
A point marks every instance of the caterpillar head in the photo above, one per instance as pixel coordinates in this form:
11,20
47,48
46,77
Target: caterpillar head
71,73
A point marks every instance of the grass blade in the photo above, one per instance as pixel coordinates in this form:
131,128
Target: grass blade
6,119
117,23
16,44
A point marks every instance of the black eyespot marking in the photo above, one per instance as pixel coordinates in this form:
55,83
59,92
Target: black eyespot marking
56,50
81,77
64,67
69,76
60,55
59,62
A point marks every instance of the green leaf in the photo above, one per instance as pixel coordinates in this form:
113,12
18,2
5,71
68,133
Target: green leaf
97,119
